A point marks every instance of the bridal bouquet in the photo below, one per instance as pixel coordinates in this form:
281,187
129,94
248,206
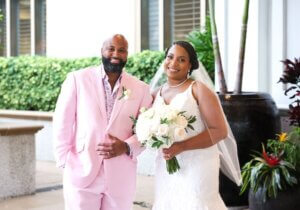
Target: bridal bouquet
160,128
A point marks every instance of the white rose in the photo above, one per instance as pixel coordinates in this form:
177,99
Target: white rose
143,135
180,133
143,129
163,130
181,121
149,113
163,110
171,114
155,123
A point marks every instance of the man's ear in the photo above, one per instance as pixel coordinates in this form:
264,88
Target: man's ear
102,51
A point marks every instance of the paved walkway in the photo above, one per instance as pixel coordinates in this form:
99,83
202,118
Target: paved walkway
49,192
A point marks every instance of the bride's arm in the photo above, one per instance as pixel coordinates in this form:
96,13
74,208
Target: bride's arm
211,112
213,116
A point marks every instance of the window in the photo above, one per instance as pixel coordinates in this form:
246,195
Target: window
153,25
150,24
179,18
23,28
185,16
20,34
3,29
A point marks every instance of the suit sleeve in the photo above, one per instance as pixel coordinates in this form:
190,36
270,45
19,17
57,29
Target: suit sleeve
135,146
64,120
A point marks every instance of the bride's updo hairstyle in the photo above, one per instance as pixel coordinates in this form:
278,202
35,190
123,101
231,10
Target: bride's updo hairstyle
190,50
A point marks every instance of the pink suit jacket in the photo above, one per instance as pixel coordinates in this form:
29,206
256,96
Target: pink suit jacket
80,123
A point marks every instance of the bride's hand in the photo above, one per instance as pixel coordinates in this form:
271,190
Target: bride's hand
172,151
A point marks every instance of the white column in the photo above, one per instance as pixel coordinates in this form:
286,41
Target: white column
161,24
202,13
264,43
229,15
221,16
137,28
278,50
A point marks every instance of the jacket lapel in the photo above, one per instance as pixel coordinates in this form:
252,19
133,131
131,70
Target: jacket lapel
118,102
99,91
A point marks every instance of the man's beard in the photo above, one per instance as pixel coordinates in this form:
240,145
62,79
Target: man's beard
112,67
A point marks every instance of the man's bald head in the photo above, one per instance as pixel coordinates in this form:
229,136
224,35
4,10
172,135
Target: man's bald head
114,53
117,38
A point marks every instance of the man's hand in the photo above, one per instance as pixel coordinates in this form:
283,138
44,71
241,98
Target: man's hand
111,149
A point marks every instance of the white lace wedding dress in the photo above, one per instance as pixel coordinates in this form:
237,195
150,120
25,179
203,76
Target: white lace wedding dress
196,185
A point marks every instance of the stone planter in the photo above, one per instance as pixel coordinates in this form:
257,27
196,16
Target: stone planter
17,160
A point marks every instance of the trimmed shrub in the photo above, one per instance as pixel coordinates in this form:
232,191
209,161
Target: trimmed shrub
145,64
33,83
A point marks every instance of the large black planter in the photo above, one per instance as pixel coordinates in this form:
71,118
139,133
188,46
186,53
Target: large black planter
285,200
253,118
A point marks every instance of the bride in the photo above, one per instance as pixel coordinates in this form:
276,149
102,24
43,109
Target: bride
196,185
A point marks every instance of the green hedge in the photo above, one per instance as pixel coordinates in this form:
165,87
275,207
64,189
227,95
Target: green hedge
144,65
33,83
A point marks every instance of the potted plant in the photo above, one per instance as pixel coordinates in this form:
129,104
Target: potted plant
273,175
248,113
291,78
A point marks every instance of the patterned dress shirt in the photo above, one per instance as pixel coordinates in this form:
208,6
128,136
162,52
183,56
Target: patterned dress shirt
110,94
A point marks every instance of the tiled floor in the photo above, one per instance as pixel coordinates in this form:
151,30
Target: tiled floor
49,193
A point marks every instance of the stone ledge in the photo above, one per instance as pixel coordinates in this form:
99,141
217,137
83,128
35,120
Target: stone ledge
17,149
30,115
12,129
283,112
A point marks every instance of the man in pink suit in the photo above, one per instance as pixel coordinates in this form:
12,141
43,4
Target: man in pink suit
93,136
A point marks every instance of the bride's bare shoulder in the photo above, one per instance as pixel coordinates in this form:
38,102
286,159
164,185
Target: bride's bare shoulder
200,90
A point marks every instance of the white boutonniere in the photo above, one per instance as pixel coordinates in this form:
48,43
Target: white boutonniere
125,93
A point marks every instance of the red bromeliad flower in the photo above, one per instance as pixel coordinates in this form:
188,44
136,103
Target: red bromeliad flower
271,160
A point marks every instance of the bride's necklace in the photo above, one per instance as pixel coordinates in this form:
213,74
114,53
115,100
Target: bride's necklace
175,86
